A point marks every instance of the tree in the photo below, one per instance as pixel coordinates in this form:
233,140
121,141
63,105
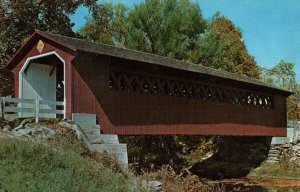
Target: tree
284,76
108,27
164,27
293,103
222,47
20,18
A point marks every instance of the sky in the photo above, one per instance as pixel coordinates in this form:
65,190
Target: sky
271,28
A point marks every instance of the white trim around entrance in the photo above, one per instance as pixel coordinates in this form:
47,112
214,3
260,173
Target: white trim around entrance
29,59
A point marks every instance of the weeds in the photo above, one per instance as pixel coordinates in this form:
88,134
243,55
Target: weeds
173,182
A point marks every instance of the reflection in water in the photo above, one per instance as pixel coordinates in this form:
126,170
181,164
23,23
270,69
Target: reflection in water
243,188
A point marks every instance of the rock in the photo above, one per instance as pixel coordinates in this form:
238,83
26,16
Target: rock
287,145
23,123
152,185
67,124
28,126
18,128
156,185
273,151
22,132
296,148
271,161
7,128
38,133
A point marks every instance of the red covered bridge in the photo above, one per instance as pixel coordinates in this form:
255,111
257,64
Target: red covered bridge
134,93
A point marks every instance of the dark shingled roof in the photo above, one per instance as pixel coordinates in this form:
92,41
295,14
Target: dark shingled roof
98,48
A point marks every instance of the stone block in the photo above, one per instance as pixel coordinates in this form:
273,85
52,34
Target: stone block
107,139
280,140
84,119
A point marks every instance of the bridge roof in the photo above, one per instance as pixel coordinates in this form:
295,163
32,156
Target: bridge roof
98,48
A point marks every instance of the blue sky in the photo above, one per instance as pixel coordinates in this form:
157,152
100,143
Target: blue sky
271,28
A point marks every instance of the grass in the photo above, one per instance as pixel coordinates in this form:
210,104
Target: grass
28,166
282,169
61,163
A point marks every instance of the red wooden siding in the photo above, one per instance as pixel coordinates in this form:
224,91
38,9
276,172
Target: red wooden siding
130,113
48,47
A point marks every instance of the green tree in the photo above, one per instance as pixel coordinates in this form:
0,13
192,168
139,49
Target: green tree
283,75
108,27
20,18
165,27
222,47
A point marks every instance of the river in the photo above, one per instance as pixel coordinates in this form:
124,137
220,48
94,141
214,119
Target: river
255,184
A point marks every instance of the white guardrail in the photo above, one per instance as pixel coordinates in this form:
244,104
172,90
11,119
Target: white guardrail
30,107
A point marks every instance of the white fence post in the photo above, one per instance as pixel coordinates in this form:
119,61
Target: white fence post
37,110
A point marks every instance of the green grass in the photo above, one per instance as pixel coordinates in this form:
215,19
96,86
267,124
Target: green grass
27,166
282,169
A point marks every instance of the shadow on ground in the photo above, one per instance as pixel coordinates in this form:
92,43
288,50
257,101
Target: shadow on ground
236,157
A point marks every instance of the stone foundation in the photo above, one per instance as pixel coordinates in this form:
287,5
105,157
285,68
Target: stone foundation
285,148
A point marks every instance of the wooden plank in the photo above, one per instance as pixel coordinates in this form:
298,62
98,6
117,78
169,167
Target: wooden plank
19,100
37,110
19,110
31,110
51,111
47,102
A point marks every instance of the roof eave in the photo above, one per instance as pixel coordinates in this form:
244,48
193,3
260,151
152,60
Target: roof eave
49,38
26,45
11,61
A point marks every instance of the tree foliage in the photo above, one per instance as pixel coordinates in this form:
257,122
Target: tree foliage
222,47
164,27
174,29
108,27
20,18
169,27
284,76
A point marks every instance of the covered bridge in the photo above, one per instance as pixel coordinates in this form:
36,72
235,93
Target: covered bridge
135,93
